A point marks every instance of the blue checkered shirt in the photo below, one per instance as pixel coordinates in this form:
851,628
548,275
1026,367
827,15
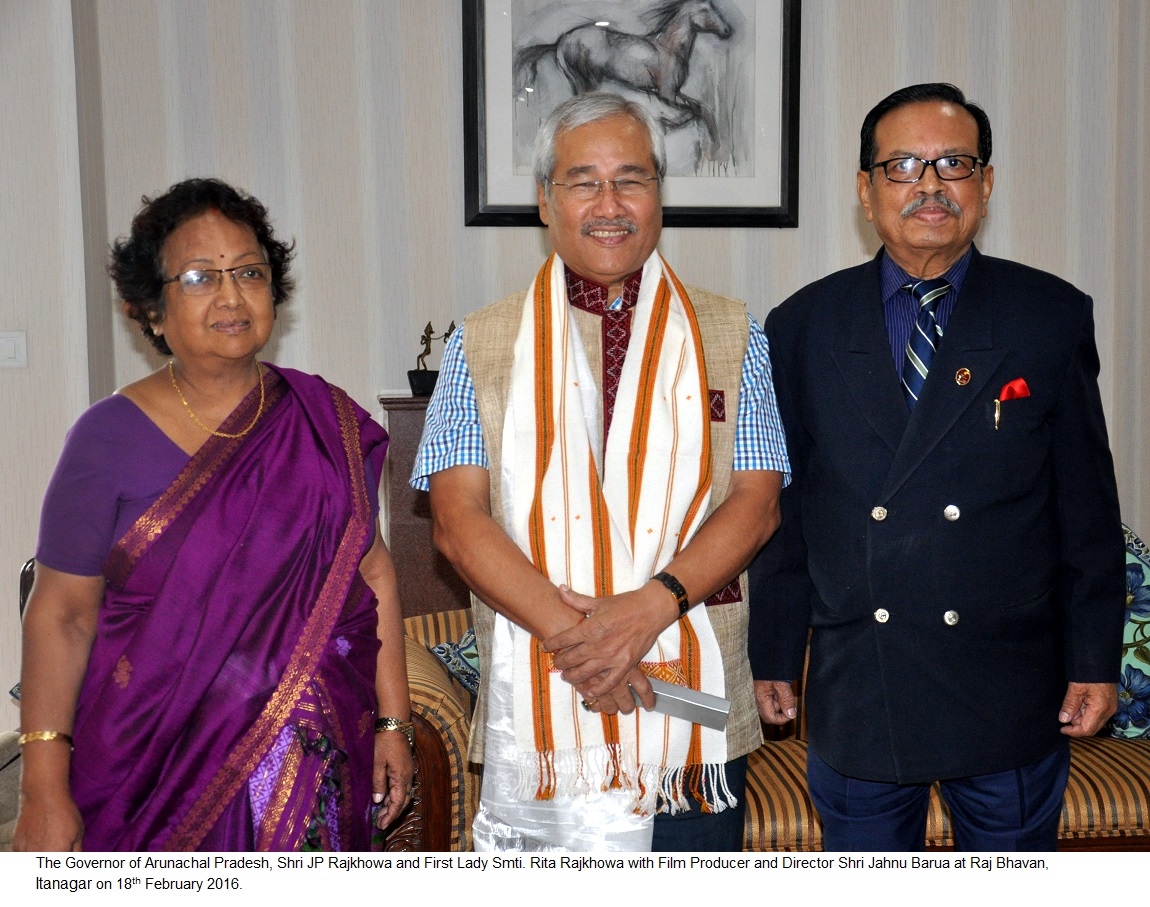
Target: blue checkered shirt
452,435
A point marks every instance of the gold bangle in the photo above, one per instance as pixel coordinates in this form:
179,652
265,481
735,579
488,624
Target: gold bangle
394,724
46,735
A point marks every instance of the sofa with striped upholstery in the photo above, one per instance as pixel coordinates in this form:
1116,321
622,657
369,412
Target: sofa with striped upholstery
1107,803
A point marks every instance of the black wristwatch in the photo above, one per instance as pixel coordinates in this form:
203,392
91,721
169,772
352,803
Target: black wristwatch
677,590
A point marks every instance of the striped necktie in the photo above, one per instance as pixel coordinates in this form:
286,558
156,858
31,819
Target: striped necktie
924,338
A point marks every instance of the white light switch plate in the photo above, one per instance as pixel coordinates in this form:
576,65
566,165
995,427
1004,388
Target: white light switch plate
13,349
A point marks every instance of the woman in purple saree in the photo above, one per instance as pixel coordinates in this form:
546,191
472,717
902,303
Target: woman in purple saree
231,676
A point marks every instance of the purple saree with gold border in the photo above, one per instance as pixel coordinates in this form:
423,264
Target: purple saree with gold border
230,694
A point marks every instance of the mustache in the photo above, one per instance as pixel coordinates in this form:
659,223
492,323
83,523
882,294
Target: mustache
941,200
599,222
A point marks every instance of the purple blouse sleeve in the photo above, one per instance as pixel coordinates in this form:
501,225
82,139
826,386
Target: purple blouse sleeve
114,465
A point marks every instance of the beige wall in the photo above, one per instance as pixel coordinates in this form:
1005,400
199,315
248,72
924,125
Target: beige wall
41,284
345,118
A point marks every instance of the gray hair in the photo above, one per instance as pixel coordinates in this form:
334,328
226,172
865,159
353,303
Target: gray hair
582,110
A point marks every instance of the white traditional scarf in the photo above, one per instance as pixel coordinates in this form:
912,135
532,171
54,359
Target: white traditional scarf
605,523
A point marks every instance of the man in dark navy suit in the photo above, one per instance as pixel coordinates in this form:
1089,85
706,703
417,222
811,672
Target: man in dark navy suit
952,537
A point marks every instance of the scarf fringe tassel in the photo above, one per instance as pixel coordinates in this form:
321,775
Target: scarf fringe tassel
572,773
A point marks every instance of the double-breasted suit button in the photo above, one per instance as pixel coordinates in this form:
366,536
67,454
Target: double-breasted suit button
878,514
951,512
882,615
951,618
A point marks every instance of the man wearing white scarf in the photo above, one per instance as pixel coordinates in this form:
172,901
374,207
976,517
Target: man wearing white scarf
604,456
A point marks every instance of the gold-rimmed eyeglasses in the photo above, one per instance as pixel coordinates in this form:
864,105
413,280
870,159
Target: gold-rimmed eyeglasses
625,186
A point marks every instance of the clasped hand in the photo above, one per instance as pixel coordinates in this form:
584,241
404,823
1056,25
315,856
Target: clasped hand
600,655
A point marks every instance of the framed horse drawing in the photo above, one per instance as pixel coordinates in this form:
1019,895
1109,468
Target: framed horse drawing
720,76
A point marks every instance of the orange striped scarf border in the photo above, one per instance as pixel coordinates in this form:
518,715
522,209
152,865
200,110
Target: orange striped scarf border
545,402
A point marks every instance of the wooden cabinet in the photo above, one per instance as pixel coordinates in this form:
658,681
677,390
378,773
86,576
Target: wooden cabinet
426,580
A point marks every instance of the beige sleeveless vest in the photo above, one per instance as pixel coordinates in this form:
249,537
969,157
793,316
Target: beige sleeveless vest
488,348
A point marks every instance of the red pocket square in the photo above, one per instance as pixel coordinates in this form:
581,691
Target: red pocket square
1012,390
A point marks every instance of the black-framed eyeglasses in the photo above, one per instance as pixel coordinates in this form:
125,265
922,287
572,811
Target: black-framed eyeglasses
625,186
250,278
911,169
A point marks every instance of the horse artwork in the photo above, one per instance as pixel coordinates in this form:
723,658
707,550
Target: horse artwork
654,61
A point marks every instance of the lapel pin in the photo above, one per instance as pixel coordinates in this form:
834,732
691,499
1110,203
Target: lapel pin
962,377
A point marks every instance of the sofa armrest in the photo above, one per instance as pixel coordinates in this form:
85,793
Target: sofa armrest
446,792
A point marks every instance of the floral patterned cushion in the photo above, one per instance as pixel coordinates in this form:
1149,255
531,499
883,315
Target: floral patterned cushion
1133,716
461,659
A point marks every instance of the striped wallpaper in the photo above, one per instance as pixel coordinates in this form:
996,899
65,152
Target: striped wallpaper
345,118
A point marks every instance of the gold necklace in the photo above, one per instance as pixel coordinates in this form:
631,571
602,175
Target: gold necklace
195,418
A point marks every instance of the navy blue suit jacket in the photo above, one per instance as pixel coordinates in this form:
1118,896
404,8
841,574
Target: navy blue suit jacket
955,574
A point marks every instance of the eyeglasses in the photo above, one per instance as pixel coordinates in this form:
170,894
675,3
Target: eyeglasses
250,278
911,169
626,187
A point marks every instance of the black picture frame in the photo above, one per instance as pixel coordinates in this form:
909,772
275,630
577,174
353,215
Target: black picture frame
484,211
